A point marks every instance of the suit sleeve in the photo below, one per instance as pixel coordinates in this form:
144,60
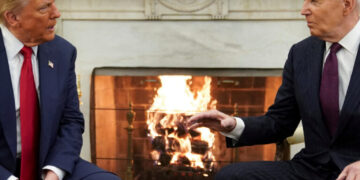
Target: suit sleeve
282,117
4,173
65,151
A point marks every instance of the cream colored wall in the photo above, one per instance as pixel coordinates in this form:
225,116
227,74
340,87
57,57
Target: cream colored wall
177,33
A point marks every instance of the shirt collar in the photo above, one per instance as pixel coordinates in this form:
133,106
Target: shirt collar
350,41
12,44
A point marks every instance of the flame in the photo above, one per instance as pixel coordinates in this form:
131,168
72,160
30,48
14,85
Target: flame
177,99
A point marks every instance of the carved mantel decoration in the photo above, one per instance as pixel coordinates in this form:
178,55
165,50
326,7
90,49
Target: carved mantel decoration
186,9
187,5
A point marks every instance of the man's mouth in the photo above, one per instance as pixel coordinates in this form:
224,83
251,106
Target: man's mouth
51,28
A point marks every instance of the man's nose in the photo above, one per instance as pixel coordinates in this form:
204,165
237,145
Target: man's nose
305,8
55,12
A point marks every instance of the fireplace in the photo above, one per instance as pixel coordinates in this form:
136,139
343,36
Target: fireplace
241,92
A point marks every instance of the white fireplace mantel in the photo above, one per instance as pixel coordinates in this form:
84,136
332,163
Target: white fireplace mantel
177,33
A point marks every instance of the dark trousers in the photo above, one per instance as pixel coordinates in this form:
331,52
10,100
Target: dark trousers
280,170
83,171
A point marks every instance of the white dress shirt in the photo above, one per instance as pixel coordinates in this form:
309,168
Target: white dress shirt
15,60
346,60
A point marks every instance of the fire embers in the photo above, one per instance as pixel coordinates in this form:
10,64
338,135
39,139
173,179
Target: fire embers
172,143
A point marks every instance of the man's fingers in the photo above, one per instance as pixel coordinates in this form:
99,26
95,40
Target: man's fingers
350,176
194,126
210,119
342,175
200,117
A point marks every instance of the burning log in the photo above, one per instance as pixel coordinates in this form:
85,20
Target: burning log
183,161
165,145
181,129
163,131
174,145
199,147
194,133
159,144
164,159
208,161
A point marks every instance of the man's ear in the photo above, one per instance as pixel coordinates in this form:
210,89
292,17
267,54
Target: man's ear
11,18
349,6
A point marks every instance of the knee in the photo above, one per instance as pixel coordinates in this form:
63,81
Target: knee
103,175
232,172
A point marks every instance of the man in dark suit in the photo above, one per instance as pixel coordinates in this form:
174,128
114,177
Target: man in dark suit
41,125
321,87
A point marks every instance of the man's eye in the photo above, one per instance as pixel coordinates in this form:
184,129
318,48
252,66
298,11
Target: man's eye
44,8
314,1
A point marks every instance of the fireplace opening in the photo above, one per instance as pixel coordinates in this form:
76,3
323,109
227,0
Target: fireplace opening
162,100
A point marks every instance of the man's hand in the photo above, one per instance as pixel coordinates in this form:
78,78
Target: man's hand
212,119
350,172
50,175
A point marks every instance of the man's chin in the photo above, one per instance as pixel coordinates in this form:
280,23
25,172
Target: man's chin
314,33
49,37
39,41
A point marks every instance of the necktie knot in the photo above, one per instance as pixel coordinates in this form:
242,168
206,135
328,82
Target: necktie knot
26,52
335,47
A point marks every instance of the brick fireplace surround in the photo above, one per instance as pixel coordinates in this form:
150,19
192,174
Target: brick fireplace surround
114,88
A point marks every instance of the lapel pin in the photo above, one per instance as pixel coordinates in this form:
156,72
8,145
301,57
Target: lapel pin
51,64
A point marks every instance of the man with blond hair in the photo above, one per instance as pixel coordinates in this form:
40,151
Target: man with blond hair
41,125
321,87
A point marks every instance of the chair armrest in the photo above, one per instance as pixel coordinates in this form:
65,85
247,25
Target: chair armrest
297,137
283,148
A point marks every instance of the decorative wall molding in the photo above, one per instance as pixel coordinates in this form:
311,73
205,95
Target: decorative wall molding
187,5
180,9
186,9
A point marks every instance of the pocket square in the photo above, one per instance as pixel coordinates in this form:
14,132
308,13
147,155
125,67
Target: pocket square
51,64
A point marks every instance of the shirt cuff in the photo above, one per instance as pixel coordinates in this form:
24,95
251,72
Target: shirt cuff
59,172
12,178
237,131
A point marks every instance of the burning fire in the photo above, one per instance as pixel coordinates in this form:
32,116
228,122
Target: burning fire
179,98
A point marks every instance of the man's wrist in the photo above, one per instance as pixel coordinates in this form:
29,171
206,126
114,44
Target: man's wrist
237,131
59,172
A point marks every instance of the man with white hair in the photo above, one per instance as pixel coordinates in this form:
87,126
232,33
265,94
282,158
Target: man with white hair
321,87
41,125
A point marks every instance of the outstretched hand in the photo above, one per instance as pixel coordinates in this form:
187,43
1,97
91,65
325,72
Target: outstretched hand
350,172
212,119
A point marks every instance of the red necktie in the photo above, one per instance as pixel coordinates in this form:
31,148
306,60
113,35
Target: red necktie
329,89
29,117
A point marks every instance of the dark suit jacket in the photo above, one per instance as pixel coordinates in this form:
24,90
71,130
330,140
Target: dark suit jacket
61,122
298,98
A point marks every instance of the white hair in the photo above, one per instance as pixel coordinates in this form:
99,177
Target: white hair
10,5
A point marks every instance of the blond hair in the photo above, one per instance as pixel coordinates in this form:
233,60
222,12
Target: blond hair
10,5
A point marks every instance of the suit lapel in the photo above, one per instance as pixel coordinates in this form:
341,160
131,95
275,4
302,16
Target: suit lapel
315,57
7,102
352,98
48,90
